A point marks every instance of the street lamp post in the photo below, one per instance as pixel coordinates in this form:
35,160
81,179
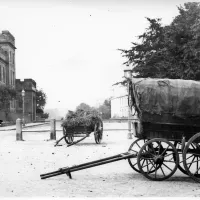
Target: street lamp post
128,76
23,108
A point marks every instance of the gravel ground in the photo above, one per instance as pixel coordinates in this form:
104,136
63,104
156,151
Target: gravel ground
22,162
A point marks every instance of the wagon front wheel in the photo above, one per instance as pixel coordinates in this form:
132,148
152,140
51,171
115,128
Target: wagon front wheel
191,157
135,148
156,159
69,138
178,146
98,132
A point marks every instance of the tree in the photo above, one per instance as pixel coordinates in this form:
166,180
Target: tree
84,106
45,115
171,51
105,109
7,93
40,103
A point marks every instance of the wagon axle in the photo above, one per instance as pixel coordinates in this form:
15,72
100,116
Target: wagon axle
158,160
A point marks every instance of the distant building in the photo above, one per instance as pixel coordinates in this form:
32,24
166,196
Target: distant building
29,86
119,102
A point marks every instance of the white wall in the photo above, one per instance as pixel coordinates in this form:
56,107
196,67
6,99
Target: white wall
119,102
119,107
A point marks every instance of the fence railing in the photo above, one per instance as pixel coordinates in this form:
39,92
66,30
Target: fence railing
20,129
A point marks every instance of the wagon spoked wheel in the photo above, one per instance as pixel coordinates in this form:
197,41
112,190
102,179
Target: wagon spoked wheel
69,138
156,160
134,148
181,167
191,157
98,132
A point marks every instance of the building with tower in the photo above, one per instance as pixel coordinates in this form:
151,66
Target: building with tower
7,66
7,48
8,78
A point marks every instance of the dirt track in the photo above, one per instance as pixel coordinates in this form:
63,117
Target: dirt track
23,162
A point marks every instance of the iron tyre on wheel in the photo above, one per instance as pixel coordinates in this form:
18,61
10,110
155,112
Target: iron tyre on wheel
69,137
98,132
135,148
156,159
191,157
178,146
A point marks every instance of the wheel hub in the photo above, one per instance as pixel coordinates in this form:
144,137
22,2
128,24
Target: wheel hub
158,159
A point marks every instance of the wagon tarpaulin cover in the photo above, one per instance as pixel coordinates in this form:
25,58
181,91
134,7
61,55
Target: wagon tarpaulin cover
173,97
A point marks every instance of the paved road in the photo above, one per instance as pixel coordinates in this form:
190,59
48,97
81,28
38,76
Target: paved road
22,162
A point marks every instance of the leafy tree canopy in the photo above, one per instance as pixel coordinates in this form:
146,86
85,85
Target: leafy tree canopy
40,101
171,51
83,106
6,94
105,109
45,115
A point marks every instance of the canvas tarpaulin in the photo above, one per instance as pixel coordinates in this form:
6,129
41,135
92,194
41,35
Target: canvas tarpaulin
175,97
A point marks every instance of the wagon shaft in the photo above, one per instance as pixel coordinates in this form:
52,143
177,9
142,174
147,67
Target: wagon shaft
68,170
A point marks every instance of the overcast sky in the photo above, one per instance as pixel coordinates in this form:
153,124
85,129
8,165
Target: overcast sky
69,47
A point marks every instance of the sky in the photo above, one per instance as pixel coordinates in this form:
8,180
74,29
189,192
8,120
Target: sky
70,47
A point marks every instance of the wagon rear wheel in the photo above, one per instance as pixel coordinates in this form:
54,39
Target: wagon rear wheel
155,159
69,137
191,157
135,148
98,132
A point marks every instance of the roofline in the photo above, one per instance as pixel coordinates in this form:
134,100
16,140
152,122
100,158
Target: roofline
118,97
10,43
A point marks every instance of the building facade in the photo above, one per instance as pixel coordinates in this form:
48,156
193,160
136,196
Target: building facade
7,58
8,78
29,86
119,102
7,66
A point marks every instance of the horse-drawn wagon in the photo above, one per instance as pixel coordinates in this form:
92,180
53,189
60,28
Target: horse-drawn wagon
81,124
168,127
167,130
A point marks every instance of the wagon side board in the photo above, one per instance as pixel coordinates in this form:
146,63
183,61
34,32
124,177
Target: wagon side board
169,131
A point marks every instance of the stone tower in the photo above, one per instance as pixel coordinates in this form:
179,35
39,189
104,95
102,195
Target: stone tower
7,43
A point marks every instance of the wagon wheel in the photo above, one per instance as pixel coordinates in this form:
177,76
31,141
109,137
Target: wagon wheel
134,148
69,138
98,131
156,161
191,157
178,146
